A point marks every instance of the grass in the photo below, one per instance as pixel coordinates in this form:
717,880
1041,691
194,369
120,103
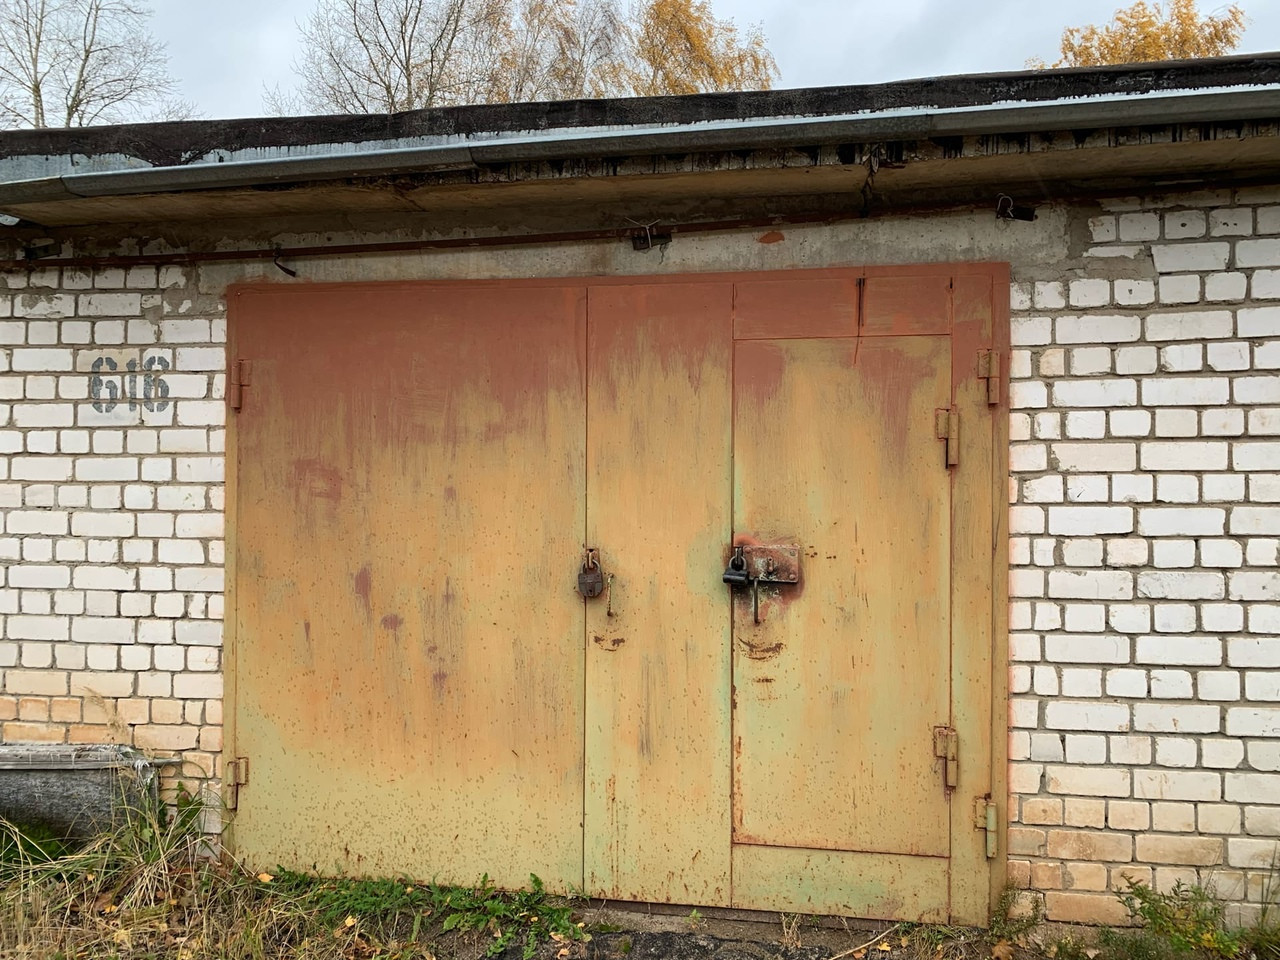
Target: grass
151,888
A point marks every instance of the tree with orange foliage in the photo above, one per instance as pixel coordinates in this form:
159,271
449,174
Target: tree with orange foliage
680,47
381,56
1146,32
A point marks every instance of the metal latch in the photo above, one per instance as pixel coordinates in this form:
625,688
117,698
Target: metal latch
946,747
235,774
755,563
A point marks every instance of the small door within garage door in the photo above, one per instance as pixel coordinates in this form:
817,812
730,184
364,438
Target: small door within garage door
419,688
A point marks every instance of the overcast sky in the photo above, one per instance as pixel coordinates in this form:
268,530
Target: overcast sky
224,51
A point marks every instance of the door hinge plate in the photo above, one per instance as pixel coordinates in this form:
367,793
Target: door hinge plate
235,774
986,818
946,747
946,422
989,370
238,378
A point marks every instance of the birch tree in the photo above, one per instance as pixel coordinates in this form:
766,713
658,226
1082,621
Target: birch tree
70,63
381,56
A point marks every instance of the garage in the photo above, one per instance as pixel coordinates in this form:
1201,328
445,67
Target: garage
423,686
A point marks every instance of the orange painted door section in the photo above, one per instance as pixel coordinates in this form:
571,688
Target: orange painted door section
408,670
421,690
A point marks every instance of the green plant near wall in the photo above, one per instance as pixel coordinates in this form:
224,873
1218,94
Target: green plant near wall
1184,921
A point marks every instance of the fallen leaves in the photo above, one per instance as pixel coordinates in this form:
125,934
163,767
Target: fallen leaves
1002,950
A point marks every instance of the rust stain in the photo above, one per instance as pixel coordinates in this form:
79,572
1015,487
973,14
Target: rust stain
761,651
363,584
317,479
773,236
609,643
392,621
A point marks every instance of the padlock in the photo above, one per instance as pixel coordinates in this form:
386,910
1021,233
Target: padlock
591,577
736,574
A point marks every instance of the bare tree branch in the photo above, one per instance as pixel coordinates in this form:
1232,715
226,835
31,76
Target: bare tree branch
382,56
77,62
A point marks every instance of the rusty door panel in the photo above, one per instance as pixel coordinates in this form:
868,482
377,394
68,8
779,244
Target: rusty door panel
838,689
658,483
798,306
906,305
409,681
874,886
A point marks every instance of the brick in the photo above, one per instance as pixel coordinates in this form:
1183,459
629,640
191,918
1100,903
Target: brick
1252,787
1189,325
1181,521
1196,851
1254,390
1181,585
1252,521
1031,331
1095,393
1186,391
1091,292
109,304
1184,224
1084,908
1257,253
1139,226
1249,585
1067,648
1049,295
1179,289
1104,457
1243,852
44,305
1089,845
1097,329
1090,585
1184,455
1088,521
1226,286
1088,782
45,683
167,738
18,732
1190,257
1254,322
1177,718
1196,785
1088,715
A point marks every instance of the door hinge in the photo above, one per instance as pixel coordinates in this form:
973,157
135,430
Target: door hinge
989,370
237,381
235,774
985,818
947,427
946,747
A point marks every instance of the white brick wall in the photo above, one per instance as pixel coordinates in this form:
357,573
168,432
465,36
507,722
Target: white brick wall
1145,523
111,439
1145,593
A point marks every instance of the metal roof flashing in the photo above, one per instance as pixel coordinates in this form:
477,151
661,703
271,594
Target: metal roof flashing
440,140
